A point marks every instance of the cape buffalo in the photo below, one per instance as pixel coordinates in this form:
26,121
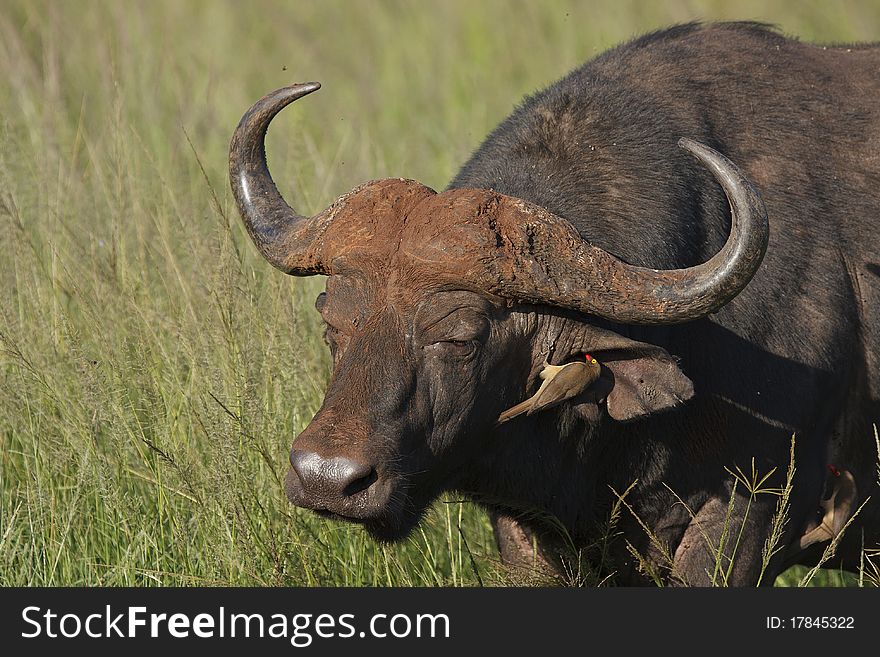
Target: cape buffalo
601,218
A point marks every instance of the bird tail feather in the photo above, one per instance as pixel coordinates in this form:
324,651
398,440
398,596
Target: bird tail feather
513,411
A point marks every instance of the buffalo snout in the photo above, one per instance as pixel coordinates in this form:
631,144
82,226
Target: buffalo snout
345,485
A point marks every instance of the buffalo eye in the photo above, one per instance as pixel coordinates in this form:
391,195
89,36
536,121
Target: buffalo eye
456,349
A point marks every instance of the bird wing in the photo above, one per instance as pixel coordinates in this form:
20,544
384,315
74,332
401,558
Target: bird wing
570,380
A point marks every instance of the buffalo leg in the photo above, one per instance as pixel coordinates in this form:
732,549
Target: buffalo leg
519,546
696,561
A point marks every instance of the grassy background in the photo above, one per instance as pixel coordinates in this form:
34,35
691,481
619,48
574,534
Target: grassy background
154,371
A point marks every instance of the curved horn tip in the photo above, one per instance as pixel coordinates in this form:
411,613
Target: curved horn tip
275,101
294,91
304,87
694,147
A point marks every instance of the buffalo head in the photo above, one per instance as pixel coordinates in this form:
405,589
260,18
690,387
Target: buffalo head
440,309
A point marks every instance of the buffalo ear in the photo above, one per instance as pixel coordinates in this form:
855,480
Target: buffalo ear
646,380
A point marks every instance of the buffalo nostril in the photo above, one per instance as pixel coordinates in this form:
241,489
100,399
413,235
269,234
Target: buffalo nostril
359,477
337,475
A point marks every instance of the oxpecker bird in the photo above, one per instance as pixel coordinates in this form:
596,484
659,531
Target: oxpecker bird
560,383
837,509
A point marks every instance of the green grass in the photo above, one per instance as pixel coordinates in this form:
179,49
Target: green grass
153,370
